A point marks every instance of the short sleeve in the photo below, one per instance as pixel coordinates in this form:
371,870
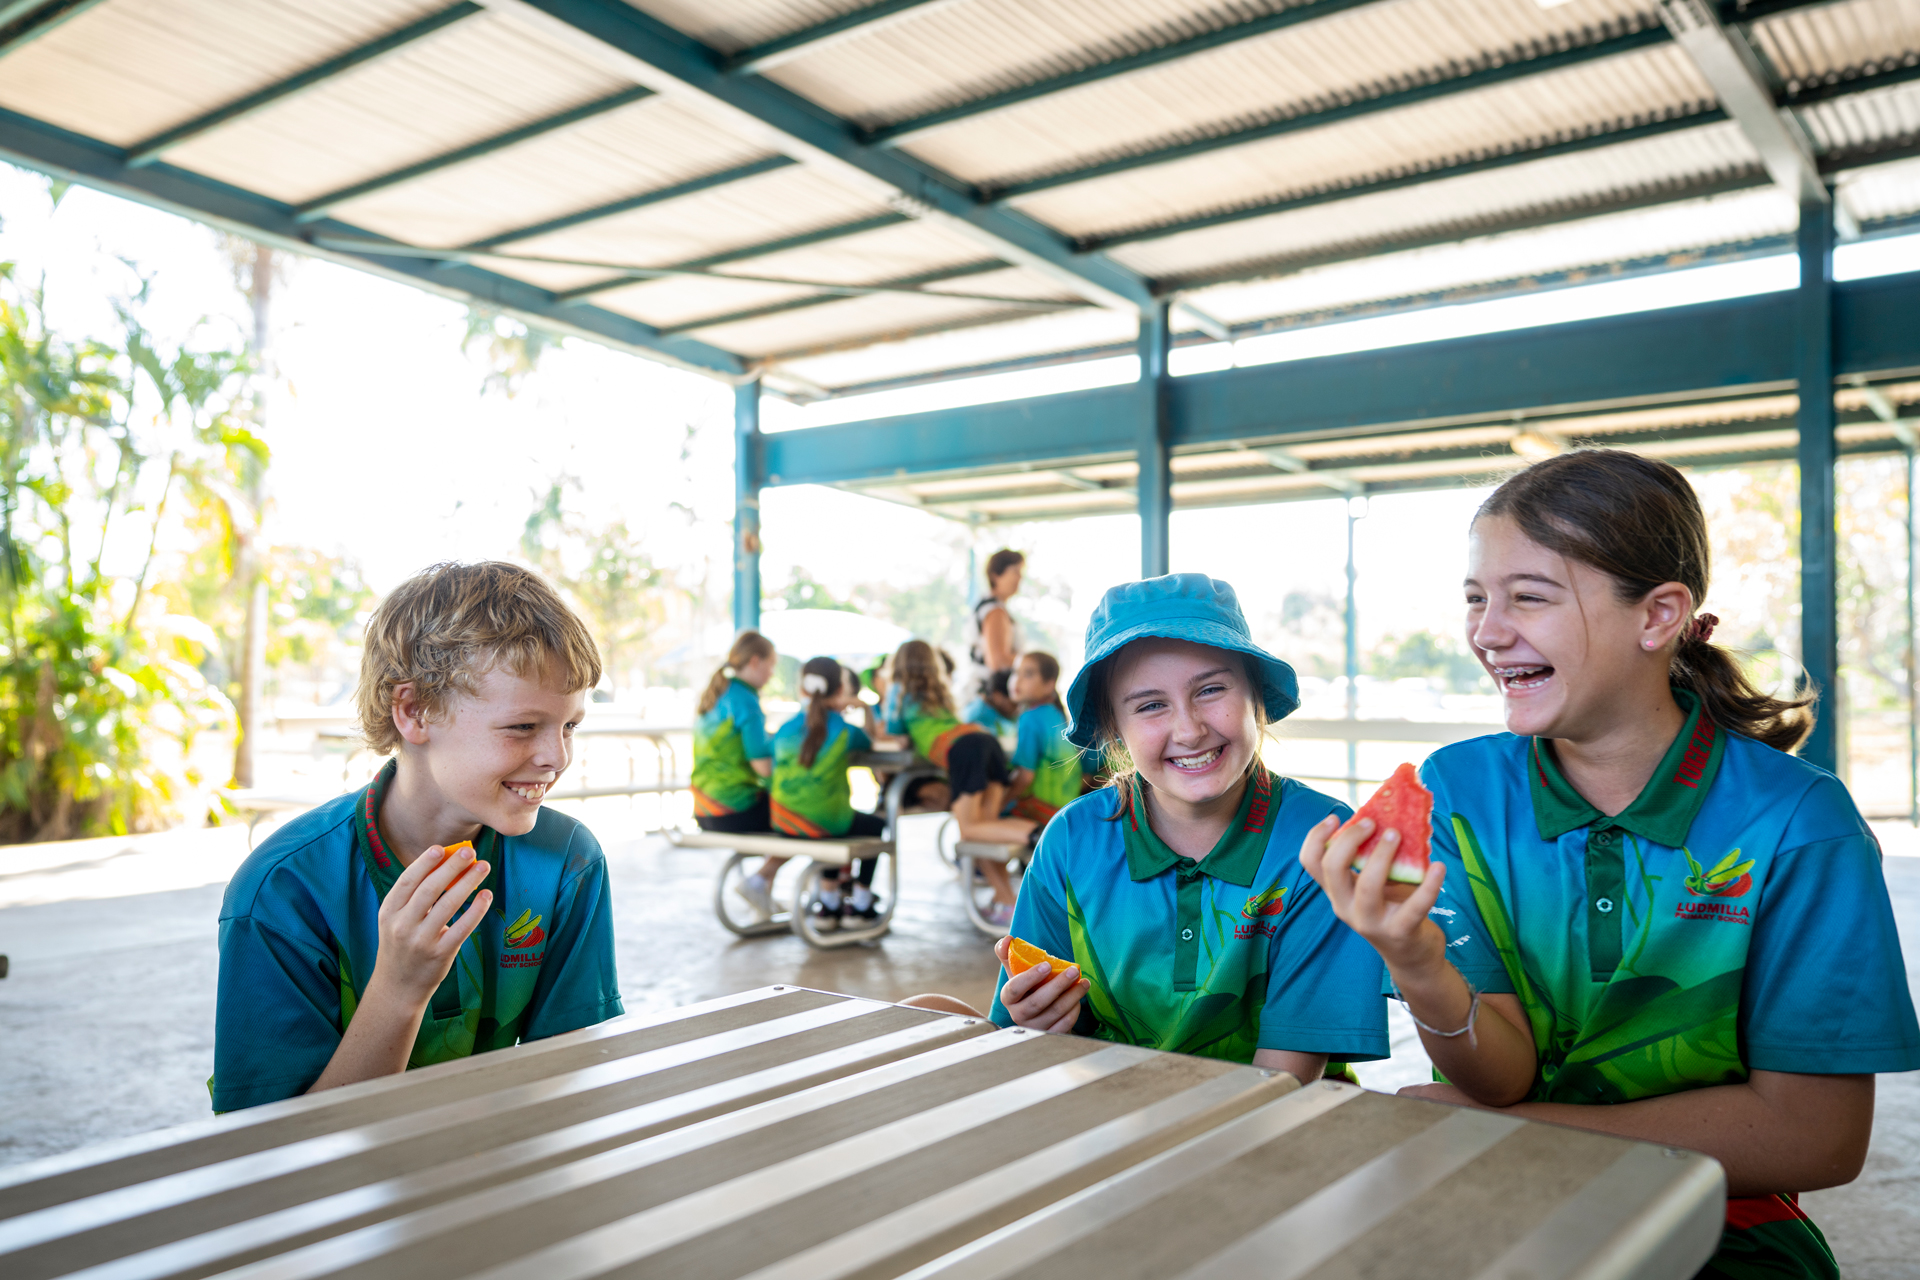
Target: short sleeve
1469,944
1040,914
1825,990
578,984
896,715
1323,979
751,720
857,739
276,1021
1030,746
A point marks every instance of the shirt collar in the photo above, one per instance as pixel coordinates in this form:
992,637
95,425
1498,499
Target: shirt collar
382,865
1235,859
1665,808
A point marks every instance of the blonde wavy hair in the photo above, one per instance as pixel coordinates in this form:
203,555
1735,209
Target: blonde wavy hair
446,627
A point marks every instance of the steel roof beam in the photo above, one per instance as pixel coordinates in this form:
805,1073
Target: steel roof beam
659,195
73,157
839,231
909,283
620,36
1706,351
25,21
1743,86
906,131
317,208
762,58
153,148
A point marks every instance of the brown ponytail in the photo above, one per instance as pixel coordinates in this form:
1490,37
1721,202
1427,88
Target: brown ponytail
828,672
1639,521
747,646
919,676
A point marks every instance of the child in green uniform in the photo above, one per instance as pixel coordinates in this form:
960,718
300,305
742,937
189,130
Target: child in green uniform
920,707
1643,917
1046,767
344,952
811,797
733,757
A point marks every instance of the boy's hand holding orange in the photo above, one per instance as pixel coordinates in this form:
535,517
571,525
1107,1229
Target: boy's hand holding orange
1042,991
419,936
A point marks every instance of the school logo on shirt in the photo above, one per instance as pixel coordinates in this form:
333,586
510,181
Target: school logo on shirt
1729,878
523,935
1257,915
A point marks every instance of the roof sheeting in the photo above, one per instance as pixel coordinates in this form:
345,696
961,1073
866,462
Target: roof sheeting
1193,144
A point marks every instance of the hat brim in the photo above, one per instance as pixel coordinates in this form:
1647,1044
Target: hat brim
1279,686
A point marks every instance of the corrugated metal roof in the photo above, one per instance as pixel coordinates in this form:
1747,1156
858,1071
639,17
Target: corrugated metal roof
1342,152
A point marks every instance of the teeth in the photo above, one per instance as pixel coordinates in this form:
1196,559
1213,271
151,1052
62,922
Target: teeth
1196,762
534,792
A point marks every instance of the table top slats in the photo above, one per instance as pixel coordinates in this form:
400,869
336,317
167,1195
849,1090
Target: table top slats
786,1134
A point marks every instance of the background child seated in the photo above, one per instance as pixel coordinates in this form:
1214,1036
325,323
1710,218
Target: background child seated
338,935
1047,774
920,706
733,757
811,799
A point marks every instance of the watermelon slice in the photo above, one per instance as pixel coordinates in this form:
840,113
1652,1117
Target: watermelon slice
1404,805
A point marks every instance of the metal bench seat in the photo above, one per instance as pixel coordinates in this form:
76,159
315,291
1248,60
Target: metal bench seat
974,893
816,856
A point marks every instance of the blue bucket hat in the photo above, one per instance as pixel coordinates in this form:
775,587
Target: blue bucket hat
1180,606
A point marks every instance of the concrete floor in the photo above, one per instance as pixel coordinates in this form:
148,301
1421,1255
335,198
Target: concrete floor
107,1015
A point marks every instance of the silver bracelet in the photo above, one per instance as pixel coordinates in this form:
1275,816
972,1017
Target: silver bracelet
1473,1015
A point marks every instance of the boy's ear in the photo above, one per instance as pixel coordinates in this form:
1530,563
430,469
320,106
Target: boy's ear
409,717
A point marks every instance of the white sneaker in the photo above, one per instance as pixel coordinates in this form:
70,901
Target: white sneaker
1000,915
758,894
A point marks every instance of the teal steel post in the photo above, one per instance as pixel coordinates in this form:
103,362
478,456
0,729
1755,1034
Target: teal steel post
1155,447
1813,369
746,505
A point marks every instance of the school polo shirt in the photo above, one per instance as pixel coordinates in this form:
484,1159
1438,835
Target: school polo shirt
814,802
300,931
931,730
1235,952
1043,750
725,742
1733,917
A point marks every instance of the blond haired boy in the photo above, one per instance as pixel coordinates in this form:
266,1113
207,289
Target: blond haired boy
342,957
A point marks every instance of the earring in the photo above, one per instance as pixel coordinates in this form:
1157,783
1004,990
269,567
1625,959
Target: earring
1649,644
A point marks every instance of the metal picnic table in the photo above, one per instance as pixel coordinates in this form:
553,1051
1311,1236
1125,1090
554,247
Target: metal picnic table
787,1134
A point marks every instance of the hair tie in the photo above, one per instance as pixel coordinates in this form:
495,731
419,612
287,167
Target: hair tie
813,682
728,671
1700,630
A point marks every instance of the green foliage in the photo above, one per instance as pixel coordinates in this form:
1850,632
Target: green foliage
1422,653
512,350
803,592
609,578
100,698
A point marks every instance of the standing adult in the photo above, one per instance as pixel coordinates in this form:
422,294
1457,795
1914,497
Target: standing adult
993,644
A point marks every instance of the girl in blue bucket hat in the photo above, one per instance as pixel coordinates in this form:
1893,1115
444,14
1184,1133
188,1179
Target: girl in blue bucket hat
1177,891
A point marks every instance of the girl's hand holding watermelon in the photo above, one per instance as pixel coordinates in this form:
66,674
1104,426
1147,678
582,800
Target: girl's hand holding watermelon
1365,900
1043,997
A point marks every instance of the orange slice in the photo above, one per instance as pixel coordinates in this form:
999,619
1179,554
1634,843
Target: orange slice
455,848
1022,956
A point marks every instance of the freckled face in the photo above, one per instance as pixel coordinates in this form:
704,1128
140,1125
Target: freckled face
496,754
1551,632
1186,713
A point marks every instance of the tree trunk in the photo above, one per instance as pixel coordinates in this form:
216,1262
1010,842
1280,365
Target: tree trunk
250,574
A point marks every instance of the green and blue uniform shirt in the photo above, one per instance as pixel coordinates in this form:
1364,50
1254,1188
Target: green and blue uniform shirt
1043,750
726,740
1219,957
1732,918
930,730
300,930
815,802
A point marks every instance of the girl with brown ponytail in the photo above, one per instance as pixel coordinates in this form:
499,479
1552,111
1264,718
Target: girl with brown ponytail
733,756
811,797
1642,916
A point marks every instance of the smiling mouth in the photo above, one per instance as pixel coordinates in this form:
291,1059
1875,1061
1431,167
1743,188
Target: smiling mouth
1522,679
1195,764
531,792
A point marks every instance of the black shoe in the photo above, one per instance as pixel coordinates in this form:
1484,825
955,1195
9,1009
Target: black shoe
860,917
823,918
